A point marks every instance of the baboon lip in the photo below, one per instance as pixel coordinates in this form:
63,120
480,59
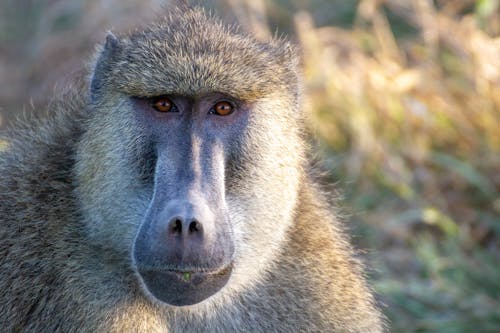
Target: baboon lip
181,287
186,269
186,273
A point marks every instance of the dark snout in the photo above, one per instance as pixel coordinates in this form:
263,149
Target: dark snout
184,247
184,256
183,250
185,236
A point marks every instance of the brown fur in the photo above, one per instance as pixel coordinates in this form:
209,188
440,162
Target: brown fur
65,270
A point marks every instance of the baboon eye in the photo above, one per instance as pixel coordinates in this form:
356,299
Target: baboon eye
163,104
222,108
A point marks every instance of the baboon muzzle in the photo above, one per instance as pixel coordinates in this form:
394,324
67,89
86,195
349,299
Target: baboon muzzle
184,247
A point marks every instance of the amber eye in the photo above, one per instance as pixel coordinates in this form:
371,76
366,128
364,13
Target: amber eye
223,109
163,104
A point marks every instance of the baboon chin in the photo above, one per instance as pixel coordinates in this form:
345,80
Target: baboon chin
172,192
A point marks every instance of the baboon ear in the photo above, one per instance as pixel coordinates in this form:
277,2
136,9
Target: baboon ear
104,60
290,54
287,53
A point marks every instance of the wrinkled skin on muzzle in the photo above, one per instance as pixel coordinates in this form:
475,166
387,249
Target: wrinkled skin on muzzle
184,247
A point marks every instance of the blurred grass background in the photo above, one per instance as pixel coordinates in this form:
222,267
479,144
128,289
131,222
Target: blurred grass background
403,99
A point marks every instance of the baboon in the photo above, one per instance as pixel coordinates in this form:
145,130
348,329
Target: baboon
173,193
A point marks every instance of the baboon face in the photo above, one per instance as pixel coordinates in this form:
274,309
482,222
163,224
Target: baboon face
190,163
183,251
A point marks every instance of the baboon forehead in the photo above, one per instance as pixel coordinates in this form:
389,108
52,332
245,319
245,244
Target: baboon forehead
191,53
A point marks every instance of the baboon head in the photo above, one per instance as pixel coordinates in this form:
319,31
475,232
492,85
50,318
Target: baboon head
190,164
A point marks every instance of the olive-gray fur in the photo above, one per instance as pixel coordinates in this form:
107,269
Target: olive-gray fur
73,188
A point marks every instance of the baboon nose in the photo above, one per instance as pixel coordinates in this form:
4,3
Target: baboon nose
185,227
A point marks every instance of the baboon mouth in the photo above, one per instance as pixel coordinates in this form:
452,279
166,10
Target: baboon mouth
182,287
188,275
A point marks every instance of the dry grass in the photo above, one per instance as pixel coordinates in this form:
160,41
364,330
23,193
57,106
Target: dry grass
413,124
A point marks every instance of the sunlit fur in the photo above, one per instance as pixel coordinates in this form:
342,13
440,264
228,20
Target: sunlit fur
75,187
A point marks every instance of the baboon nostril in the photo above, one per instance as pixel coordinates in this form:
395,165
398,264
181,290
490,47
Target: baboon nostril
194,226
177,226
